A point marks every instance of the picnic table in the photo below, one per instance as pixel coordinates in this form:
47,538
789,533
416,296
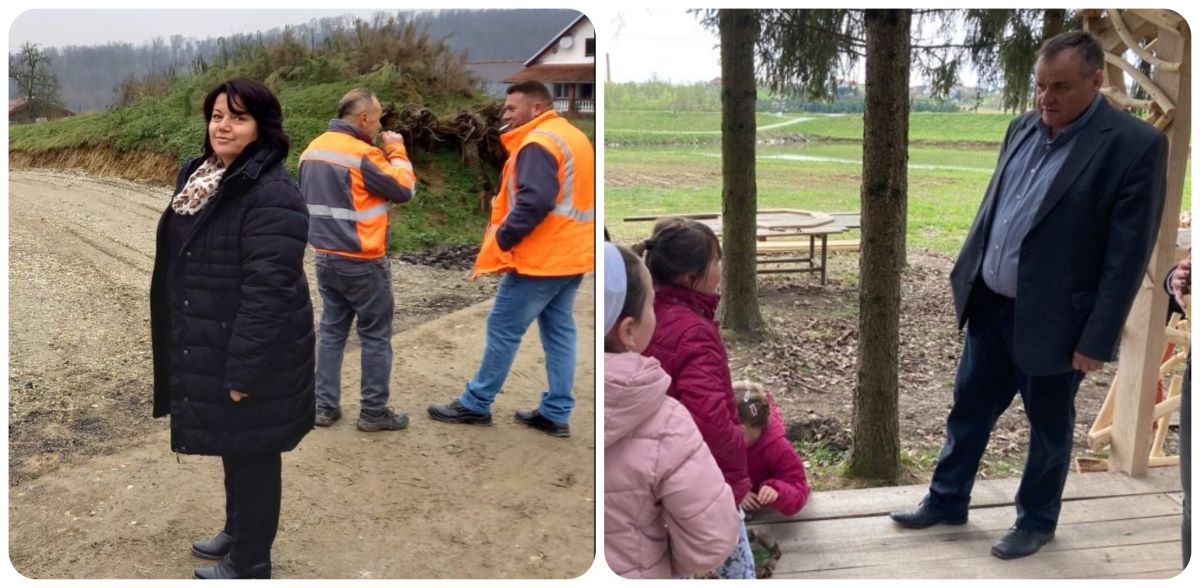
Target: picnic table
779,234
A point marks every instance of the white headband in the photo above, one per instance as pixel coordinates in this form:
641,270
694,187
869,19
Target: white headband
614,285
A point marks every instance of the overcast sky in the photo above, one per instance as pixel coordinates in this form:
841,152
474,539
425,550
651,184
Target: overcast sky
667,43
671,45
58,28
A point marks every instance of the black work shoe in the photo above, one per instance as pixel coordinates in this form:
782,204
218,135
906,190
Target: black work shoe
214,548
388,421
926,516
326,416
1020,543
226,571
533,418
455,412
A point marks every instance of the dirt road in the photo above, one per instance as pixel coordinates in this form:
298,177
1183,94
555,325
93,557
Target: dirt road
95,492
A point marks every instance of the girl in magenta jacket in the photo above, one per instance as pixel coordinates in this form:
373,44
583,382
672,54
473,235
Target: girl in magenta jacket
667,510
776,472
684,259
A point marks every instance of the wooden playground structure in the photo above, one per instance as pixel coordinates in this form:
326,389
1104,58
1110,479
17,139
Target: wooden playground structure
1134,419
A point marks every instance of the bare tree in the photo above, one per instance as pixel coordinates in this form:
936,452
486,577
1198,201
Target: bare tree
30,68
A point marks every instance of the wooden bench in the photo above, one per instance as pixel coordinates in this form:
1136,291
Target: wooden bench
781,243
805,252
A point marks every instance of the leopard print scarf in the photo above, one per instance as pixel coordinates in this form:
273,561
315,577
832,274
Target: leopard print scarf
202,184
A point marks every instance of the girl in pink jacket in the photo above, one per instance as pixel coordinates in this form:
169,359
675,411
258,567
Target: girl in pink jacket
684,259
776,472
667,510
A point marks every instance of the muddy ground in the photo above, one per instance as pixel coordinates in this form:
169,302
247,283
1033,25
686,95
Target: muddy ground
95,491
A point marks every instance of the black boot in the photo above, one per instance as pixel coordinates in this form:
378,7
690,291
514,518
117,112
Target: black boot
225,570
535,419
215,548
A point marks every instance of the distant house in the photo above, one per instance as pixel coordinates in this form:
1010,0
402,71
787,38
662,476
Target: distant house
22,111
567,65
493,73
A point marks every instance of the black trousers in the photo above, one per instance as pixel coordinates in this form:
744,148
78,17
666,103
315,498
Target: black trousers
988,379
253,493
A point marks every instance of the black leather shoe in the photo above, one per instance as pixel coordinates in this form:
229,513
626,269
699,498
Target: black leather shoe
532,418
1020,543
215,548
455,412
925,516
226,571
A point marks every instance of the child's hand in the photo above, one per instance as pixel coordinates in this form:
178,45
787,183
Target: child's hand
767,495
750,502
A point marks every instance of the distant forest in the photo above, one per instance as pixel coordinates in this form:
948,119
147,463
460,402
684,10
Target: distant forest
90,76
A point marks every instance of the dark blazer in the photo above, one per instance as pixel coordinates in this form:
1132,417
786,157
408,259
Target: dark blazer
1084,257
232,310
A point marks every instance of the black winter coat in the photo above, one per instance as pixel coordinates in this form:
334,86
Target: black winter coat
232,311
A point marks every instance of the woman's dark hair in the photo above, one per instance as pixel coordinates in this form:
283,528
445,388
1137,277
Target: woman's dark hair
635,290
257,100
678,247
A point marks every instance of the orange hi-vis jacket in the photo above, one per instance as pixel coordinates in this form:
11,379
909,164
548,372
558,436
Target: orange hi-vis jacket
563,243
349,185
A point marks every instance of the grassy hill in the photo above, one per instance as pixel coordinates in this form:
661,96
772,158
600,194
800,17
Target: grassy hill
162,115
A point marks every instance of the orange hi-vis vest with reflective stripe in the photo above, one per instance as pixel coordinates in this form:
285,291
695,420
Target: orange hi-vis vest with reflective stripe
349,185
563,244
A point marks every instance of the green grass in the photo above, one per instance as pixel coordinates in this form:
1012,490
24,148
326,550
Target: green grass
666,128
945,186
444,212
924,127
447,216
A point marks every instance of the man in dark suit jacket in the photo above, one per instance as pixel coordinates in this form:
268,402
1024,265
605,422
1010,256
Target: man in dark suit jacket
1044,282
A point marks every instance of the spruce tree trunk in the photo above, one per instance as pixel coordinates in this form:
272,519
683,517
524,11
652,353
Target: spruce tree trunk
1053,22
739,194
876,450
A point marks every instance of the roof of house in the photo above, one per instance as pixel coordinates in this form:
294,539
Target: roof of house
495,70
556,72
554,40
15,103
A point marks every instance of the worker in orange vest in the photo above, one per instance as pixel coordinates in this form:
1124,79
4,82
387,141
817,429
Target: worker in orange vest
541,238
350,185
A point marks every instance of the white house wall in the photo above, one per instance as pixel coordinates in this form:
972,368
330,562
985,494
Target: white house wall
581,32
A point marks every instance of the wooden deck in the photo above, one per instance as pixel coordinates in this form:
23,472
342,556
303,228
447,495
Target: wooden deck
1112,526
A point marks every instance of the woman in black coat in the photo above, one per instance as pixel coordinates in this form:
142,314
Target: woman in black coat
232,321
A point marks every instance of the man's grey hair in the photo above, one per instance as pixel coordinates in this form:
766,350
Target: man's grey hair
1083,43
354,102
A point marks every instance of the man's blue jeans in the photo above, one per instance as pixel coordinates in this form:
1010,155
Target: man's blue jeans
520,300
349,288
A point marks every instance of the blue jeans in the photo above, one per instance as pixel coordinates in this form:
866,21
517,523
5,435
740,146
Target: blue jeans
349,288
988,379
520,300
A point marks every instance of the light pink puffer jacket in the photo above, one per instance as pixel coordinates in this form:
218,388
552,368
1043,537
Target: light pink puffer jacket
667,509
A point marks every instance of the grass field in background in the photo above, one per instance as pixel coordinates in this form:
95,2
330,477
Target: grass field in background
945,186
663,127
